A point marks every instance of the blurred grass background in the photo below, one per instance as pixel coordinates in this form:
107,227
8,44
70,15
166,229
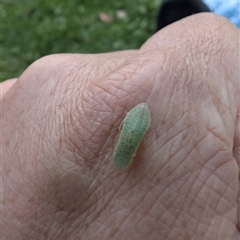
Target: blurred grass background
32,29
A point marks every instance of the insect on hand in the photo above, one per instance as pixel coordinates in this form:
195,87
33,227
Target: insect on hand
135,126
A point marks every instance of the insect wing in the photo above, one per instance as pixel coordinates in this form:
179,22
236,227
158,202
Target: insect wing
135,126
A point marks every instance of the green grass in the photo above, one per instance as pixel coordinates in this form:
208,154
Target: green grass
32,29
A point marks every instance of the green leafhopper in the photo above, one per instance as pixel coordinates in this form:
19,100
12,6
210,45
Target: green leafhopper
135,126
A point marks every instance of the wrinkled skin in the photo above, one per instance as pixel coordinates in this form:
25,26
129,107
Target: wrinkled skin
61,123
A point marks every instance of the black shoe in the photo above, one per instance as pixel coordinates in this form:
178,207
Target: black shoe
173,10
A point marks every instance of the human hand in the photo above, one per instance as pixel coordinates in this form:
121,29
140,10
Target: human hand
60,127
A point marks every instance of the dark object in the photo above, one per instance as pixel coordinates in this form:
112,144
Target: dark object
174,10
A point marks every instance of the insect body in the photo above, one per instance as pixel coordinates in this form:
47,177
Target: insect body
135,126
